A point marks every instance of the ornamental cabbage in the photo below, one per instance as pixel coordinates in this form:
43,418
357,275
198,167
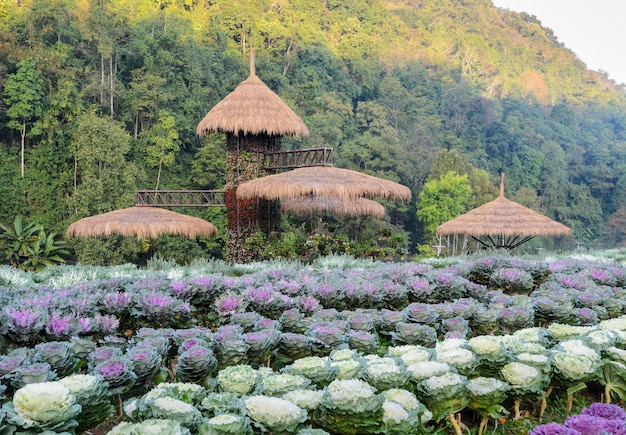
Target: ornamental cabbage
240,379
445,394
305,399
350,406
279,384
195,364
573,361
92,394
150,427
225,424
424,370
317,369
176,410
43,406
383,376
273,414
222,403
524,379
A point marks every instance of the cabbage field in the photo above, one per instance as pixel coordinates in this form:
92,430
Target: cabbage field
490,343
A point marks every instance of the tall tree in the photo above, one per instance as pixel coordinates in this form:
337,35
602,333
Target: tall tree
23,97
162,143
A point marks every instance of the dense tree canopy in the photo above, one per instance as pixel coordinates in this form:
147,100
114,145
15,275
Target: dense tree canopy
102,97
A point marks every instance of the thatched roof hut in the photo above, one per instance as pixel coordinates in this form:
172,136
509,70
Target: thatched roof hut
314,205
143,223
252,109
322,181
504,223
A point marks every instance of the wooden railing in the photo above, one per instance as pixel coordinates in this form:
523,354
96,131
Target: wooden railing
215,198
179,198
299,158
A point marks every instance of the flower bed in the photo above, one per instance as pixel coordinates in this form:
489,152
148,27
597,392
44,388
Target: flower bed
213,348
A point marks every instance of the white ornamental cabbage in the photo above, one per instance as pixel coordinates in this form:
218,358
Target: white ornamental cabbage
240,379
405,398
279,384
275,414
618,323
444,387
351,396
305,399
415,355
449,344
394,413
347,368
46,402
463,360
225,424
560,331
384,376
176,410
317,369
427,369
523,378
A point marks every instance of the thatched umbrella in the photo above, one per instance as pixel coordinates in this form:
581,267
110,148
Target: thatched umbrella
313,205
252,109
143,223
322,181
504,223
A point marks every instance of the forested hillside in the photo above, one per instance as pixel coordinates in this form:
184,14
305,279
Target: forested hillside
99,98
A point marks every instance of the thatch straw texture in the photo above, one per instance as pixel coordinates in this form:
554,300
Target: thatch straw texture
143,223
326,205
251,109
322,181
503,217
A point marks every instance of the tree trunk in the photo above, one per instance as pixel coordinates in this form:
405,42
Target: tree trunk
23,146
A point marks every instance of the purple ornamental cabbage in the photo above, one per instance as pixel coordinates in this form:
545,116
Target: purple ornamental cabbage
326,337
363,341
421,313
295,345
588,424
605,410
232,352
32,374
62,326
414,333
262,343
118,373
230,303
82,347
24,324
16,359
246,320
553,429
59,355
195,364
101,354
292,320
146,362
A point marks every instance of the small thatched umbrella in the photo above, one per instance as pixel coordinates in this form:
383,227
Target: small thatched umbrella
143,223
327,205
504,224
322,181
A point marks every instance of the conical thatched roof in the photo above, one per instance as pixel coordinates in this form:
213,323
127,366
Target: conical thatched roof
327,205
322,181
143,223
503,217
251,109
